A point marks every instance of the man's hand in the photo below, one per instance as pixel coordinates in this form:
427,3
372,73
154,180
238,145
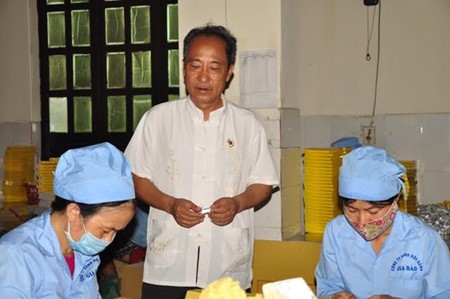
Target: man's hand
383,297
223,211
186,213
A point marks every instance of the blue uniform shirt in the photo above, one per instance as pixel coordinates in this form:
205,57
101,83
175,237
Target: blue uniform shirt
413,263
32,265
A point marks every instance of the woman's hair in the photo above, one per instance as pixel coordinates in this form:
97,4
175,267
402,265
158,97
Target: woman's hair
377,204
217,31
60,204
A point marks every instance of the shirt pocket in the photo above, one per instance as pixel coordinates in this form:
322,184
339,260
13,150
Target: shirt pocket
236,250
406,288
163,243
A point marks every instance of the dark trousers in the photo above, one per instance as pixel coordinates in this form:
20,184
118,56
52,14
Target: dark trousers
153,291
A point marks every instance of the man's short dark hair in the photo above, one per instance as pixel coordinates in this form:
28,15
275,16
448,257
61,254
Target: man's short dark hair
213,30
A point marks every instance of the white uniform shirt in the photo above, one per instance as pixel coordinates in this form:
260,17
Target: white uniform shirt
187,157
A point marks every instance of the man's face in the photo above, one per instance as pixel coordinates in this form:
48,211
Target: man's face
206,70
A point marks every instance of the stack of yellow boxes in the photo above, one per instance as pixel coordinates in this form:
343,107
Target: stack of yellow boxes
45,172
409,204
321,172
18,164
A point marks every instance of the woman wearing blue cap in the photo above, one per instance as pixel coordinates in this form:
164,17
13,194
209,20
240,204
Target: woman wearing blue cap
55,255
374,250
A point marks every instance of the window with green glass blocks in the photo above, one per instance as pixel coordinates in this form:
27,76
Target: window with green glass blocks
104,63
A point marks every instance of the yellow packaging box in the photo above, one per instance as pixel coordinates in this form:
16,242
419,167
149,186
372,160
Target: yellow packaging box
279,260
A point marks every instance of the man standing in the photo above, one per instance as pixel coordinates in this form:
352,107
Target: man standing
202,163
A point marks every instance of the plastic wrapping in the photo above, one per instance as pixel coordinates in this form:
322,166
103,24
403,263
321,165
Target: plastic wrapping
438,216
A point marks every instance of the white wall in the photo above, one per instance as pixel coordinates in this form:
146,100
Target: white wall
336,79
19,61
19,76
322,44
291,67
255,23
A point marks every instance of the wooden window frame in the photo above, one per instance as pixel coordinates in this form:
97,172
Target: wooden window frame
54,144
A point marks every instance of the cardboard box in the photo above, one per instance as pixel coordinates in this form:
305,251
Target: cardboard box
279,260
130,279
273,261
193,294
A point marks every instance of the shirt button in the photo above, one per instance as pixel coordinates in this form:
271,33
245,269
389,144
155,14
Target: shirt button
203,177
199,235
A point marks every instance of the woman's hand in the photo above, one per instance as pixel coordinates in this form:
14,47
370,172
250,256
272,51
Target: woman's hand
383,297
343,295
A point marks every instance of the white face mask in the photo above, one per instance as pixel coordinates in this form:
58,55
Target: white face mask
373,229
88,244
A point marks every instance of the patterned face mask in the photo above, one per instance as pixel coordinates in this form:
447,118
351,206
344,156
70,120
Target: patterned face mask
373,229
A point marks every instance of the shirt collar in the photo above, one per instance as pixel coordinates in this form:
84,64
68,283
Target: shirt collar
47,238
214,116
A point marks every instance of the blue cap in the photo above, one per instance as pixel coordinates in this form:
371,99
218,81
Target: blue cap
351,142
371,174
93,174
